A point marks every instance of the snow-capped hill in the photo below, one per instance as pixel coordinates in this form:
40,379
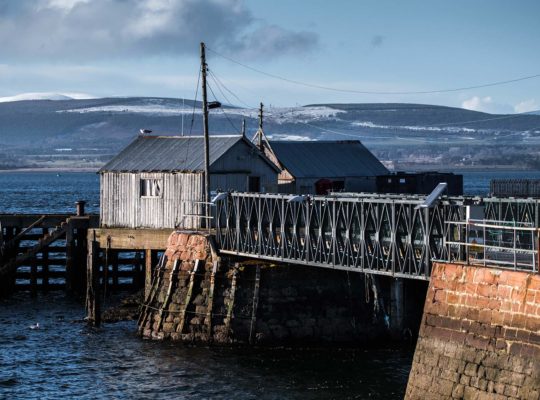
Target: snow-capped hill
45,96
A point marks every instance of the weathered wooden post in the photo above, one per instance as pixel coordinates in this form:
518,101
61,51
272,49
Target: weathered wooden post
80,207
45,264
76,239
33,277
113,257
8,250
147,273
93,300
255,303
70,268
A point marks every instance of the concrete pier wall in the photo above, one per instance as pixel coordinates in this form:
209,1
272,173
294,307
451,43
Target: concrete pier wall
479,337
197,297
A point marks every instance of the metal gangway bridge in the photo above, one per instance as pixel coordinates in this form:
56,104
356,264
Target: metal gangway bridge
393,235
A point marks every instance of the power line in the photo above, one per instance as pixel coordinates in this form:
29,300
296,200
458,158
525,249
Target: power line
220,83
195,102
311,85
223,111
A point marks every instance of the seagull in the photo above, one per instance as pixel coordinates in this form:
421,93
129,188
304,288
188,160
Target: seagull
145,131
33,327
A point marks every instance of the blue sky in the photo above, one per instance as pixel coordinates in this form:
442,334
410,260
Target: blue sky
150,48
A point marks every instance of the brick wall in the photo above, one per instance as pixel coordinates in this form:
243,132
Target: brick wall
479,337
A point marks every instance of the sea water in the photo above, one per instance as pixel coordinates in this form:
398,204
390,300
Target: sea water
66,359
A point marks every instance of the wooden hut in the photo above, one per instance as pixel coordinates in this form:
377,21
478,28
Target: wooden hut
323,166
158,181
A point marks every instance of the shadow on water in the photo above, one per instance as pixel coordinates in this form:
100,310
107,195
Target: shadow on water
66,359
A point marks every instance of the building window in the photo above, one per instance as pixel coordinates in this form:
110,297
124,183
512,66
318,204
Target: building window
151,187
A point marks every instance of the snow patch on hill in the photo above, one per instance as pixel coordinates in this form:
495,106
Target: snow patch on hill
45,96
162,107
147,109
369,124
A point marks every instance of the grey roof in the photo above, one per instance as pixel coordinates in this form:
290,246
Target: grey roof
169,153
327,159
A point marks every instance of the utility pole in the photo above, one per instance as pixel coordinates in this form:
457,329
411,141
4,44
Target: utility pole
260,131
206,138
244,128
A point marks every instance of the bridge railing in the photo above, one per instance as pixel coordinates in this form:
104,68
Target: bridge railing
507,244
512,209
375,234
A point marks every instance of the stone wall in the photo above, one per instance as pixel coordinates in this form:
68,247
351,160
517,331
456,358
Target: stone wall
479,337
227,300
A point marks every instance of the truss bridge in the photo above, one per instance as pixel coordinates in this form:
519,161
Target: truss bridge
377,234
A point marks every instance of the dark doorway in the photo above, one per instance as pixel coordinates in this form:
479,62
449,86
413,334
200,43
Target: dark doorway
254,184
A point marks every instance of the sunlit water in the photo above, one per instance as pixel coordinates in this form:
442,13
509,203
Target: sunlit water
64,359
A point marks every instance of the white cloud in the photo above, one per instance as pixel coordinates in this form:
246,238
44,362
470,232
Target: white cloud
487,105
62,4
527,106
82,30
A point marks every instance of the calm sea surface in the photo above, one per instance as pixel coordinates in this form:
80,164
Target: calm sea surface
66,359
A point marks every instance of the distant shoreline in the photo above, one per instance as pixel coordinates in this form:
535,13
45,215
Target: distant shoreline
59,169
406,169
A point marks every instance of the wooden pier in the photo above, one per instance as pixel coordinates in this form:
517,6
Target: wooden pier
50,252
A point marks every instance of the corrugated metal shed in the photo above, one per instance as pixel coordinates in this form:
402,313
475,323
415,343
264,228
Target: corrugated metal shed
169,153
329,159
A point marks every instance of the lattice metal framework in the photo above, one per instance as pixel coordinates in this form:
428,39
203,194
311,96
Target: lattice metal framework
373,234
509,209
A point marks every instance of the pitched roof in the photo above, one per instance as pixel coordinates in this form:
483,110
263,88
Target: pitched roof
169,153
327,159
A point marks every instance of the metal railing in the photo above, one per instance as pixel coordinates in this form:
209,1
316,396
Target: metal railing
506,244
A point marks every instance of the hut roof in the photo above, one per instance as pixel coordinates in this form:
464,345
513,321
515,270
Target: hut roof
328,159
170,153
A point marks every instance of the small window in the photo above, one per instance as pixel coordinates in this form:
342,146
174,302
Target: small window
401,180
151,187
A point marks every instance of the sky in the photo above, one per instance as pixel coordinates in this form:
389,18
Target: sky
105,48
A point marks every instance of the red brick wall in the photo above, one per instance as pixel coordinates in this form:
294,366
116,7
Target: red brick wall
480,335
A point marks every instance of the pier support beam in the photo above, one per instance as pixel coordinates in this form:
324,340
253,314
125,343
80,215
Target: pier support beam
397,306
147,273
93,299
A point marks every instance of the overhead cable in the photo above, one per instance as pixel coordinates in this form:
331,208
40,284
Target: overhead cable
315,86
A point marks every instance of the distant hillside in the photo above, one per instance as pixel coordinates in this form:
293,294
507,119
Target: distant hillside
404,135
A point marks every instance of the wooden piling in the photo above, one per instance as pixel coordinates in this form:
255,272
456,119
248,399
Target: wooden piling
93,300
210,306
70,250
147,273
180,327
45,264
113,260
231,300
255,303
33,278
80,259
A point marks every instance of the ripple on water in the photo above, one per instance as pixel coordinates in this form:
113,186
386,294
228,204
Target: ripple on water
67,360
